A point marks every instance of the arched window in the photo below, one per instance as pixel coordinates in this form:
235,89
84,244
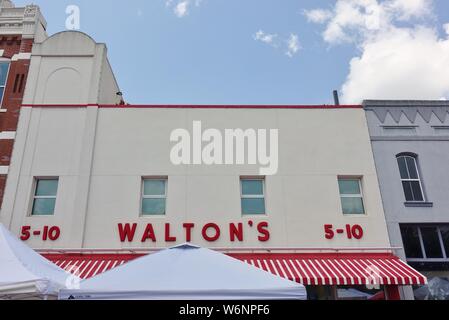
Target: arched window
411,181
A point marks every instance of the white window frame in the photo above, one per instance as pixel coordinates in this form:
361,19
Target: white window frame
253,196
423,249
6,80
36,183
144,196
415,161
354,195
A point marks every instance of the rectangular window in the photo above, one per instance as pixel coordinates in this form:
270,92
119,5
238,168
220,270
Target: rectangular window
45,197
154,196
412,242
431,242
4,68
427,242
351,196
411,182
253,196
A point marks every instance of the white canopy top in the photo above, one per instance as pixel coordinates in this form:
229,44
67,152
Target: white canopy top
24,271
186,272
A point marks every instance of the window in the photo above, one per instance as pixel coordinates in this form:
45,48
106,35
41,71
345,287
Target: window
427,242
351,196
45,197
4,68
154,196
411,182
252,196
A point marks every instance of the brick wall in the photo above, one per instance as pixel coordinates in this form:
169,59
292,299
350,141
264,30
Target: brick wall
13,96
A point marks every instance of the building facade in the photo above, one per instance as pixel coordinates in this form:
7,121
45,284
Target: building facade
291,189
410,142
20,28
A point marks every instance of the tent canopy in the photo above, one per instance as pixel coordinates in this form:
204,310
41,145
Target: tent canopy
25,272
186,272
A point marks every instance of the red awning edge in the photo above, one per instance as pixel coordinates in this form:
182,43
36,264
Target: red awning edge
307,269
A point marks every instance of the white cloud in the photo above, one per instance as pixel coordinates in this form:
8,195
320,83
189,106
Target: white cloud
266,38
318,15
402,64
353,20
401,56
181,8
446,28
293,45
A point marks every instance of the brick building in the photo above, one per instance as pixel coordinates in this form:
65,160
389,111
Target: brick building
20,28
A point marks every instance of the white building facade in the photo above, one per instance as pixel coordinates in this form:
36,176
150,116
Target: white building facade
92,176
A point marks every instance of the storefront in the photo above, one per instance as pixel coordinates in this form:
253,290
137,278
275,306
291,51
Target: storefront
327,276
410,142
289,189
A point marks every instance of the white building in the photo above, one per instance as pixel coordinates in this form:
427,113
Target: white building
90,176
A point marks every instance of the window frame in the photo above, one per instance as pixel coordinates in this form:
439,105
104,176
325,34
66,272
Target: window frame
143,196
34,196
421,241
252,196
360,195
6,81
418,173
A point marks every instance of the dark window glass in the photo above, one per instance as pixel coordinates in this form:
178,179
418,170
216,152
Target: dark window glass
417,192
412,170
407,185
445,235
431,242
403,168
410,179
412,245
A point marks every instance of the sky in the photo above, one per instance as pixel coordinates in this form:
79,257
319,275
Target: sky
267,51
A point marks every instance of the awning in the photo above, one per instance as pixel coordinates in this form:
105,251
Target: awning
338,269
307,269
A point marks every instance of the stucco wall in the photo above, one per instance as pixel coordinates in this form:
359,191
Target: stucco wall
101,154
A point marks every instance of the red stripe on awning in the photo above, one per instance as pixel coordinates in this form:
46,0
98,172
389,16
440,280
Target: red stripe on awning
308,269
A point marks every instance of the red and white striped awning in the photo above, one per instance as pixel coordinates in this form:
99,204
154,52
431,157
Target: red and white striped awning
308,269
338,269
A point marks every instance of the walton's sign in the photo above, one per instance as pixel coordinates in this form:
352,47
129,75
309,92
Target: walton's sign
210,232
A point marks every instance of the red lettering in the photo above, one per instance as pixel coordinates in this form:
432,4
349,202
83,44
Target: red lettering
168,238
264,233
188,227
54,233
127,232
236,232
25,233
149,233
211,226
329,233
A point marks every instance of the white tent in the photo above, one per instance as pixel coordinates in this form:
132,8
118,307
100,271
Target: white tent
25,274
186,272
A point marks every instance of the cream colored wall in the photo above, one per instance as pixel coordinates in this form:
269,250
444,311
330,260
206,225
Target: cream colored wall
101,155
70,68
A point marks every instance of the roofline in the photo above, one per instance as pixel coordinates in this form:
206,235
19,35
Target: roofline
405,103
178,106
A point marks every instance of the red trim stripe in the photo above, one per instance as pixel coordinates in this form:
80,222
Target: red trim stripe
308,269
155,106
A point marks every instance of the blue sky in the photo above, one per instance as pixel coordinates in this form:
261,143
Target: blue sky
209,54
